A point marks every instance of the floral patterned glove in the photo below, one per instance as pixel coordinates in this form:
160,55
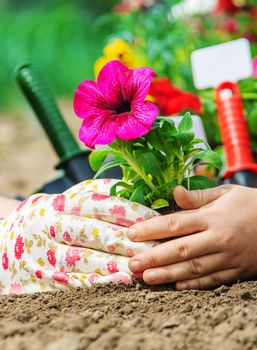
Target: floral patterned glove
76,238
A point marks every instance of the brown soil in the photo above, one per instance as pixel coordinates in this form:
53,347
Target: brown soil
111,317
131,318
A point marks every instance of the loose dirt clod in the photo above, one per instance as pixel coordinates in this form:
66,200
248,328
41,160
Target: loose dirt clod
135,317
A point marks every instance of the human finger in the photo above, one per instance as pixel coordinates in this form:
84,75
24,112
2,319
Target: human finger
172,225
175,251
197,198
212,280
186,270
95,234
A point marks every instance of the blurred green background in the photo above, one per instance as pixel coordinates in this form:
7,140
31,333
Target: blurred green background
59,36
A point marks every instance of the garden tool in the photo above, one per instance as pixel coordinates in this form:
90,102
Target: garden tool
221,66
73,161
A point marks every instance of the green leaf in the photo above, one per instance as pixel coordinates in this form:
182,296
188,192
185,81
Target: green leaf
208,157
96,158
167,130
154,140
184,138
113,191
199,182
160,203
138,194
190,153
168,186
108,166
186,123
161,120
200,141
148,162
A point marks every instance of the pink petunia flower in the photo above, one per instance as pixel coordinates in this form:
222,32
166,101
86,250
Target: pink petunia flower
115,106
18,248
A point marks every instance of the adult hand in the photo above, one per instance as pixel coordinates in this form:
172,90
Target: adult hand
76,238
215,239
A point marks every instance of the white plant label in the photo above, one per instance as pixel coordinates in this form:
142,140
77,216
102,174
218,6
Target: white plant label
224,62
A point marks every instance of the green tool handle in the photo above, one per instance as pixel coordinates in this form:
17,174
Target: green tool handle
40,98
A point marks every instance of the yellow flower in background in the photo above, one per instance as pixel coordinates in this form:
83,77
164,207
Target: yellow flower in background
119,50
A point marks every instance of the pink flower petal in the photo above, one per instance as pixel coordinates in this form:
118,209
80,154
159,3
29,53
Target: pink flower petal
115,106
112,77
97,131
140,122
87,99
138,84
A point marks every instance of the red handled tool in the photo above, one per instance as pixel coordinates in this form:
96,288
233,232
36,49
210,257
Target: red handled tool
241,168
220,66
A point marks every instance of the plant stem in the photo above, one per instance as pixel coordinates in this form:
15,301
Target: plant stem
131,162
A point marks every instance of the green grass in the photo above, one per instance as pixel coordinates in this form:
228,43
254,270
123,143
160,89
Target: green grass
61,40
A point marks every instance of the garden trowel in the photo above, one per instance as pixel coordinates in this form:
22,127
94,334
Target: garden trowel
74,164
221,67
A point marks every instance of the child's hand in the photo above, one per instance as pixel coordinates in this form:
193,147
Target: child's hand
219,243
76,238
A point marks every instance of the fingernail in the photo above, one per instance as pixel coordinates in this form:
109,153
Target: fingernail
151,276
132,234
135,265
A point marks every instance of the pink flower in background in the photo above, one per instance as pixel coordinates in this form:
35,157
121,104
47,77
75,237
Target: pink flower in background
115,106
59,202
72,256
18,248
255,67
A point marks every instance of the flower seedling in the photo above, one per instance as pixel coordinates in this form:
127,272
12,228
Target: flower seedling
154,154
